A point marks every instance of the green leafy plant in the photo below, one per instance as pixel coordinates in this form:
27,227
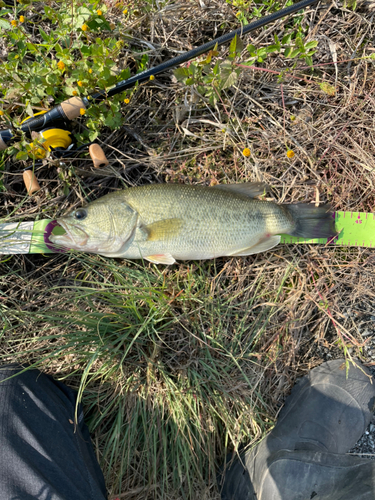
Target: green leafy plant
210,78
70,50
213,75
247,10
300,48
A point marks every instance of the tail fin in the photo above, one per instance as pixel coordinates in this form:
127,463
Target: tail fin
311,221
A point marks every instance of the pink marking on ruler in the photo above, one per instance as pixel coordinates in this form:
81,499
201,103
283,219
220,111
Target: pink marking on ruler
333,239
351,215
366,215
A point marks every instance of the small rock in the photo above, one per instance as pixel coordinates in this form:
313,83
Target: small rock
366,332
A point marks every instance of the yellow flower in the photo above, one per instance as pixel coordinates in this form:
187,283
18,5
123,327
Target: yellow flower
14,23
246,152
99,12
290,153
84,27
1,112
75,92
82,111
61,65
126,101
238,14
125,12
79,83
152,77
22,19
90,71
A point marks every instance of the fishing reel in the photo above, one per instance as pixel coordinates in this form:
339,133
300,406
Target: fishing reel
50,139
59,143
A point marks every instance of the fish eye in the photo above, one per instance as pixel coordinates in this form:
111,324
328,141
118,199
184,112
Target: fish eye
80,214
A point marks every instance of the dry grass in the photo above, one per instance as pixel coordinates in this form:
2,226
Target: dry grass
289,307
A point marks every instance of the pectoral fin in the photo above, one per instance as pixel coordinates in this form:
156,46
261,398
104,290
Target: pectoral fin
165,258
262,246
250,189
163,229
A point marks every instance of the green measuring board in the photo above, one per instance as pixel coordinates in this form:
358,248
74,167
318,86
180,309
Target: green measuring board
356,229
26,237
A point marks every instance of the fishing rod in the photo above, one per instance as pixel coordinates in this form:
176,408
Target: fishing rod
59,116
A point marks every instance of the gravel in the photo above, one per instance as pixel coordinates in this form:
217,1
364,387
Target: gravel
365,447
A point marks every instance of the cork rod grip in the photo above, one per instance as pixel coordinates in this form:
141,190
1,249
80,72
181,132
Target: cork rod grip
72,107
97,155
31,182
2,145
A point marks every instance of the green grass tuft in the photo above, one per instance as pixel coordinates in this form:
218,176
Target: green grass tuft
169,379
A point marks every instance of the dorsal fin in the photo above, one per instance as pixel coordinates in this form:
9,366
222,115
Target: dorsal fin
250,189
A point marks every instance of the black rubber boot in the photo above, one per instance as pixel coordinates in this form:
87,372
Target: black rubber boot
325,415
307,475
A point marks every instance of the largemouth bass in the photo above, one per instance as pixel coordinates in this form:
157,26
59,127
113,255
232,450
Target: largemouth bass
165,222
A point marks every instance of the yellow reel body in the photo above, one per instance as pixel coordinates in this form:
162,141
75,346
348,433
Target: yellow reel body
50,138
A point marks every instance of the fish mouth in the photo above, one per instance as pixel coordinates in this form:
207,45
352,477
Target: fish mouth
76,240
